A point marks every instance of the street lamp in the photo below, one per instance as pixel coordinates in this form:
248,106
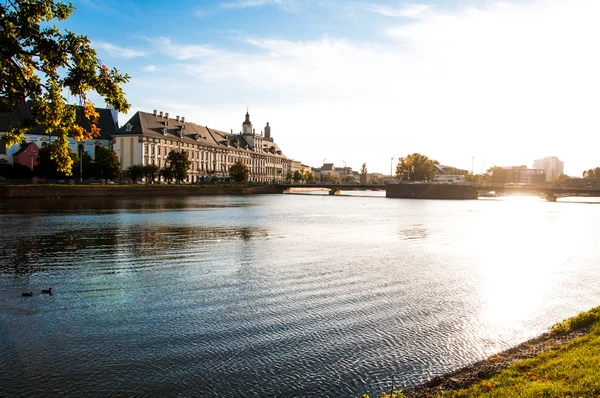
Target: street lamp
391,163
80,164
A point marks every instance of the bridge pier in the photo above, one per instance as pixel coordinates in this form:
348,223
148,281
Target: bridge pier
334,191
550,197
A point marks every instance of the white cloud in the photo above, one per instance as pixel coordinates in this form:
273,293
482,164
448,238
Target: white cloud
408,10
505,82
149,68
117,51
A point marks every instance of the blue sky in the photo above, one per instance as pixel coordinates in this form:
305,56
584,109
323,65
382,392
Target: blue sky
469,83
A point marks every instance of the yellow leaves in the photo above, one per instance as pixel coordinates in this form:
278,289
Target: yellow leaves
495,358
487,385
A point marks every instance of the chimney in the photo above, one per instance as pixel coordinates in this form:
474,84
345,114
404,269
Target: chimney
167,115
155,112
177,117
161,113
183,119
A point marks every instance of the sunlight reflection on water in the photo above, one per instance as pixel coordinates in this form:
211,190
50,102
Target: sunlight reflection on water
298,295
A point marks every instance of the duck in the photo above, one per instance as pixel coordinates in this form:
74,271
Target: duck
27,294
47,291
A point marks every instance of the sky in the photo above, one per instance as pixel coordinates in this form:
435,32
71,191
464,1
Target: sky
471,84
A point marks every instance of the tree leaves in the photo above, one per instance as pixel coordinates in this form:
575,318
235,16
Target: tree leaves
39,63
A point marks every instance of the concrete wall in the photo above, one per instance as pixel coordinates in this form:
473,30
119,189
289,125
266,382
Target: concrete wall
28,191
430,191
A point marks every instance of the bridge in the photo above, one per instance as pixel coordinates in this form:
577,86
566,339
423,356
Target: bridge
550,192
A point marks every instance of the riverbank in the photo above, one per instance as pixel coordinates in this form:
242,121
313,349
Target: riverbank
57,191
563,361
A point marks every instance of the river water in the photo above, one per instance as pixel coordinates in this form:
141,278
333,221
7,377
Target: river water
279,295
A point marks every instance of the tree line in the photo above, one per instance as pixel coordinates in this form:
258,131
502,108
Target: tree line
105,166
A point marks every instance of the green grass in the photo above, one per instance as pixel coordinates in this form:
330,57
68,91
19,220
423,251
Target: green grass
572,370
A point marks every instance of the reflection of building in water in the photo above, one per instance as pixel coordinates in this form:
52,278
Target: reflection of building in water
553,167
147,139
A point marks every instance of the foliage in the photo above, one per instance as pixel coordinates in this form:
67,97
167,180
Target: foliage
568,371
41,64
297,176
48,166
561,178
86,167
416,167
136,171
332,178
309,177
150,171
363,173
178,163
106,164
579,321
592,173
239,172
167,174
348,180
289,176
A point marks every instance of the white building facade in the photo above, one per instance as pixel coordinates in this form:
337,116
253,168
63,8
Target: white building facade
147,138
552,166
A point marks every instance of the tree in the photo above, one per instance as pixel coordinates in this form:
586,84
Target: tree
136,171
416,167
332,178
167,174
41,64
289,176
85,168
363,173
179,164
348,180
150,171
297,176
561,178
106,164
48,166
239,172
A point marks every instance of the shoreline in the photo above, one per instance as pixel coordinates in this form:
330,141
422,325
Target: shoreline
485,369
57,191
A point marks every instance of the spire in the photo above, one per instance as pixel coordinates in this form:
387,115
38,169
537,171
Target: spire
247,121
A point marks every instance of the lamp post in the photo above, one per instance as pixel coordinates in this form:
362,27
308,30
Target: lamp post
391,164
81,164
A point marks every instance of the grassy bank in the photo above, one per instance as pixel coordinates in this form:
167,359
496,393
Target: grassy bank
568,367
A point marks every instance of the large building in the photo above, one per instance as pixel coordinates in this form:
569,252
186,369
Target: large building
552,166
147,138
107,122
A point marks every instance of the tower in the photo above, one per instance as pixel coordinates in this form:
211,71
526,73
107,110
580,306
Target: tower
247,125
267,131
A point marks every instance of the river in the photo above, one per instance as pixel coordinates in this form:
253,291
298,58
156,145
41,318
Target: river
279,295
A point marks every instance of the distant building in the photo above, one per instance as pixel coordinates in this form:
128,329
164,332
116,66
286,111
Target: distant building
552,166
524,175
147,138
107,122
27,155
449,174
